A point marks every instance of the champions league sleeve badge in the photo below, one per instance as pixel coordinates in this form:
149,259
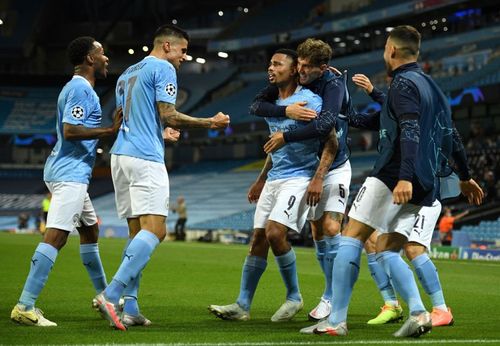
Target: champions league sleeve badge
170,89
77,112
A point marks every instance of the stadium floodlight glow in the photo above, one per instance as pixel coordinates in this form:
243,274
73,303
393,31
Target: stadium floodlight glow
337,39
366,34
200,60
174,21
131,51
445,28
356,42
433,27
1,22
223,55
245,10
424,24
145,48
220,13
443,20
389,29
100,151
342,44
377,32
189,57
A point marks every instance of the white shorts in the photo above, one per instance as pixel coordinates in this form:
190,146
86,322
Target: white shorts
335,192
424,225
374,207
70,206
141,186
283,201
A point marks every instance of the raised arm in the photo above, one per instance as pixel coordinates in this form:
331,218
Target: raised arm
173,118
364,83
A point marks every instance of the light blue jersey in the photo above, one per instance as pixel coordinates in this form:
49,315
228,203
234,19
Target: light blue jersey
72,161
138,90
295,159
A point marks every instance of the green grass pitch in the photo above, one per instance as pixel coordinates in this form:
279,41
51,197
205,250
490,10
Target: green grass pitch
182,279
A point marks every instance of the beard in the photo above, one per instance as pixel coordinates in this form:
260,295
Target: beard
388,68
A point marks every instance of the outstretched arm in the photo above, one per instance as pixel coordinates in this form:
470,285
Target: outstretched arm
173,118
263,105
80,132
364,82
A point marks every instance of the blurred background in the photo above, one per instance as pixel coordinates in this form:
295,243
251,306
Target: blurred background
231,44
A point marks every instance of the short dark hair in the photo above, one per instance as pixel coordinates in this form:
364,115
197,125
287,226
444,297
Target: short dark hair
79,48
317,51
289,52
171,30
408,40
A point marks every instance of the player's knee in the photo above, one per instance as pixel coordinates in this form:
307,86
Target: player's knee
390,242
413,250
89,234
331,227
55,237
276,235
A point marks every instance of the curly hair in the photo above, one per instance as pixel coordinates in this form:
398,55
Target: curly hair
79,48
318,52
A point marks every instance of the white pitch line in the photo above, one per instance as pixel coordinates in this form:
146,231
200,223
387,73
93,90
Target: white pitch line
332,342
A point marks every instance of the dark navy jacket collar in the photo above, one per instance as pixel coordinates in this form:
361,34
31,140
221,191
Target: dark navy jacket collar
412,66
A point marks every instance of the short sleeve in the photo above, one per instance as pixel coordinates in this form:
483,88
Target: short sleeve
79,105
165,83
405,98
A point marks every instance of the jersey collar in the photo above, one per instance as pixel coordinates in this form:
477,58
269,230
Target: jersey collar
85,79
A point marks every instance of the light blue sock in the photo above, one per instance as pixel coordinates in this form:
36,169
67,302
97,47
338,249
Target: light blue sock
320,246
137,256
288,270
381,279
332,247
130,293
402,279
345,274
428,276
253,268
41,265
89,253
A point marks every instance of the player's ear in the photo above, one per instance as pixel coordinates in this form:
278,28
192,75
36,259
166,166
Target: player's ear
393,52
166,46
323,67
90,59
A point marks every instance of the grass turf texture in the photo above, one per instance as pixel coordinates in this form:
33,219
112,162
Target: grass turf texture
182,279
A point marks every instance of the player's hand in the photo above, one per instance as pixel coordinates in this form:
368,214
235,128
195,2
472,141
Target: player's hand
334,70
297,111
276,141
314,191
363,82
117,120
171,135
255,190
219,121
402,192
472,191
